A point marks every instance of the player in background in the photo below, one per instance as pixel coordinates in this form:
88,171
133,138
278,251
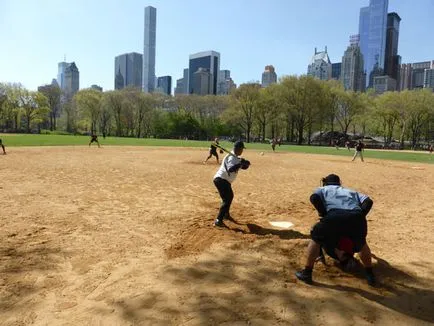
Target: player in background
360,147
213,152
342,227
3,147
94,138
224,177
348,145
273,143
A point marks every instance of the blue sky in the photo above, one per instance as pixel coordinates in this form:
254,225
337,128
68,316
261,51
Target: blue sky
249,34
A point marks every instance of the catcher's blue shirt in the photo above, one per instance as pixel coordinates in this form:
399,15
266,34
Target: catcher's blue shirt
337,197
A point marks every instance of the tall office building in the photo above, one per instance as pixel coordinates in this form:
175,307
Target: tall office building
202,82
392,59
149,49
71,80
412,75
209,61
372,31
185,76
352,74
61,66
269,76
128,70
164,85
179,89
428,81
320,66
336,70
225,82
404,80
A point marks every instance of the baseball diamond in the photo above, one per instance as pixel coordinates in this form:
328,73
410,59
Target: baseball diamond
124,236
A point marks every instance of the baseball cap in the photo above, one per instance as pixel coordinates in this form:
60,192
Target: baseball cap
239,144
331,179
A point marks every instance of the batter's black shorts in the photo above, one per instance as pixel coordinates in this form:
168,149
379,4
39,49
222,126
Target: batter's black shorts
338,224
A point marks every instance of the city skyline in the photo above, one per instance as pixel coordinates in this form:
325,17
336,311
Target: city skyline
97,40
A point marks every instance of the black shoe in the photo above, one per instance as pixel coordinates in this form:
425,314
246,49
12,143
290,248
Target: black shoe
370,277
219,224
305,276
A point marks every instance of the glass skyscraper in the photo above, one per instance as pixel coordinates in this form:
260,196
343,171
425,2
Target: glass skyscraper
128,70
372,30
209,60
149,49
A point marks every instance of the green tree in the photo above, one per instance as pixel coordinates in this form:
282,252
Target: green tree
245,100
88,102
52,92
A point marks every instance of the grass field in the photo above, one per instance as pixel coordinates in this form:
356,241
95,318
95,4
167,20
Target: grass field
11,140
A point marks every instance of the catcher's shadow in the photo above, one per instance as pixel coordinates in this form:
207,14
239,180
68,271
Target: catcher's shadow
259,230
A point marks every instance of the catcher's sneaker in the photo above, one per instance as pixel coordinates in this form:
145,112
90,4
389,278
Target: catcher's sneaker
305,276
219,224
370,277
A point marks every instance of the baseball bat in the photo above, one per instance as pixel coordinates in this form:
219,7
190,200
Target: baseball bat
224,149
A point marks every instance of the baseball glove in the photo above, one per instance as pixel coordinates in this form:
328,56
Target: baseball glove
221,151
245,164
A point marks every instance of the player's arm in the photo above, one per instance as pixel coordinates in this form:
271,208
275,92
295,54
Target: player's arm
365,203
234,164
318,203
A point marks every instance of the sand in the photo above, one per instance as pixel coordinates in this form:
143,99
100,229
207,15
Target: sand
124,236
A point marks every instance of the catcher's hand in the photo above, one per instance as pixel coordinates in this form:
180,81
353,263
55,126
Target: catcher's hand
245,164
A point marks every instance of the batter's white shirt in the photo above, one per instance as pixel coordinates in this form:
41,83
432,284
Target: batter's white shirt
228,162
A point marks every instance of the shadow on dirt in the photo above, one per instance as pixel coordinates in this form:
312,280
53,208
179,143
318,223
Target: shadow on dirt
261,231
229,286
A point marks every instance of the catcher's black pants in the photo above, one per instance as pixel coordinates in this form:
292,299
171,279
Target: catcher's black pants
226,193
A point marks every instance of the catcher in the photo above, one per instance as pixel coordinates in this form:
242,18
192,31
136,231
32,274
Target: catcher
213,151
342,228
224,177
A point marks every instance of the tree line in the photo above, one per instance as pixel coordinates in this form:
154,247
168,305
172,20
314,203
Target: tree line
295,109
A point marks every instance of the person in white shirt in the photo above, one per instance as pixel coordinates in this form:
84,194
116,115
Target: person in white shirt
224,177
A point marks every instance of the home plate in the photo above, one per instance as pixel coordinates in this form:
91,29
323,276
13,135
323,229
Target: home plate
281,224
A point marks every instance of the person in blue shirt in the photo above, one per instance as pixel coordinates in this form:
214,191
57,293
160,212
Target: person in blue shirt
342,228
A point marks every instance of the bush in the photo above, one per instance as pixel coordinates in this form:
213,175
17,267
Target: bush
54,132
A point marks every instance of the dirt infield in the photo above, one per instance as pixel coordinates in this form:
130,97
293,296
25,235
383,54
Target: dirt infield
123,236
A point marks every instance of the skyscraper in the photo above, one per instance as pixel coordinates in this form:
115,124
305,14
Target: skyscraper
185,84
202,82
372,31
208,60
320,66
392,60
429,78
352,74
128,70
412,75
164,85
269,76
225,82
71,80
61,73
149,49
336,70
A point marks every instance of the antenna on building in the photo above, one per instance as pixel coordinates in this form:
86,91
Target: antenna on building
315,51
326,49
